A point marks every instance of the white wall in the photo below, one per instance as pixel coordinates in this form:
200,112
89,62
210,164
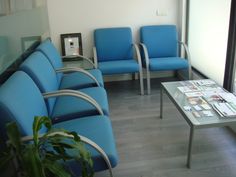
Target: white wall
73,16
208,33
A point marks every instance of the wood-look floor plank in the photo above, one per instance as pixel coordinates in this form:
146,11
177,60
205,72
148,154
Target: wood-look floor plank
152,147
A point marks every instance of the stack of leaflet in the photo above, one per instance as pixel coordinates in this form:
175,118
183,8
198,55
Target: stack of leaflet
223,102
196,88
190,89
226,108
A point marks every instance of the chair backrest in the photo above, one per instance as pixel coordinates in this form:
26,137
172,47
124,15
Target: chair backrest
20,101
113,44
50,51
160,40
41,71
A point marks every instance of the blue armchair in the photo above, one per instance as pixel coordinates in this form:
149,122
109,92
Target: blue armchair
70,77
114,52
21,100
38,67
160,51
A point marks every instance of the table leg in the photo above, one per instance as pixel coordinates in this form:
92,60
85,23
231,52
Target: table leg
161,102
191,136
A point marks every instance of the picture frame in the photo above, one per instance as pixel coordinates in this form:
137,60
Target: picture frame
71,44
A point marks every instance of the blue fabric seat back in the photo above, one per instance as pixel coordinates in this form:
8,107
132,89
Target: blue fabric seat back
49,50
41,71
113,44
20,101
160,40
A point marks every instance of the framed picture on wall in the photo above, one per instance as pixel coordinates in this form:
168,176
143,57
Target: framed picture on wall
71,44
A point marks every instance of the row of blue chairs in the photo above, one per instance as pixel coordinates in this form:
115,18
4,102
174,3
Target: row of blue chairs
115,53
73,98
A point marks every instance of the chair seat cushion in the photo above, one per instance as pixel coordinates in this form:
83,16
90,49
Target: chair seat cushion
168,63
118,67
77,80
68,107
99,130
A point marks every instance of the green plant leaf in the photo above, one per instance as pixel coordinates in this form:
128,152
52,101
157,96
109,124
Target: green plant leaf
5,160
14,136
52,156
32,164
37,125
84,159
56,169
46,155
61,149
75,135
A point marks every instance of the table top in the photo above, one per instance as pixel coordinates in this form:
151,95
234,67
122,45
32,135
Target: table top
180,100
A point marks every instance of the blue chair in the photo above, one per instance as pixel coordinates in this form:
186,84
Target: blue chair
21,100
70,77
160,50
114,52
94,100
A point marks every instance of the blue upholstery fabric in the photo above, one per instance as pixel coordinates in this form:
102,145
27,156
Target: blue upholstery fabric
83,81
42,72
113,44
66,107
165,64
118,67
160,40
70,107
162,46
77,80
99,130
48,49
74,80
20,101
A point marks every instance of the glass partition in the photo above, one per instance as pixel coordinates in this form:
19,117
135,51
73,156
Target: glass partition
22,23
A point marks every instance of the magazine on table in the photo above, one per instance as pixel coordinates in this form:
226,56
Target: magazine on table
225,109
204,82
213,96
224,103
206,92
189,88
198,85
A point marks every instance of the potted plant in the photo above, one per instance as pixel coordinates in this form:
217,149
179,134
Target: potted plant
44,155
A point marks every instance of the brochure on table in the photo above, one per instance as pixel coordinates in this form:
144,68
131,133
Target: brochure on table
203,95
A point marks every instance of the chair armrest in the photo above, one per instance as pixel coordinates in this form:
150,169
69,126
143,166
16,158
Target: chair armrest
81,56
95,57
136,49
76,69
74,93
144,48
84,140
188,57
186,50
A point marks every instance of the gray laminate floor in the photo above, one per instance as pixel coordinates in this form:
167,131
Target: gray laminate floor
151,147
